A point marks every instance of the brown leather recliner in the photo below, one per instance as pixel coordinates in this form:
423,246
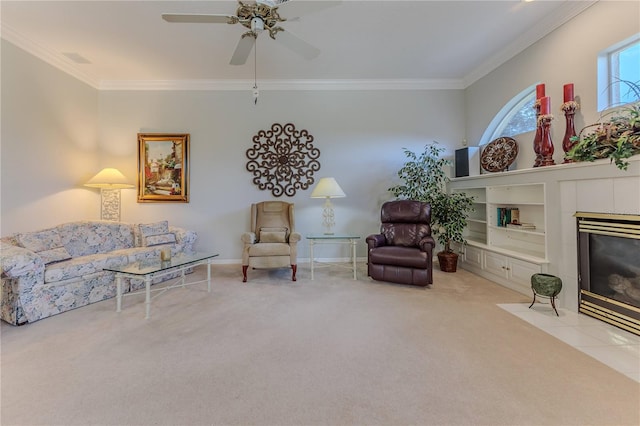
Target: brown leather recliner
402,252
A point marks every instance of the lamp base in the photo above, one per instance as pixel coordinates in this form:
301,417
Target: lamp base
328,218
110,204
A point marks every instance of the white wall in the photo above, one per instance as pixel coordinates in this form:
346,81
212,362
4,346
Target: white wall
567,55
360,135
49,144
58,132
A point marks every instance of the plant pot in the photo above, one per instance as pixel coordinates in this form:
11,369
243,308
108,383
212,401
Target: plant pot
448,261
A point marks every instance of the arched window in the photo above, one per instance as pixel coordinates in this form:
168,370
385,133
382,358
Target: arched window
516,117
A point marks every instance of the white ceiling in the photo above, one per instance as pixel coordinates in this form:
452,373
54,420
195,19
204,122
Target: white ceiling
447,44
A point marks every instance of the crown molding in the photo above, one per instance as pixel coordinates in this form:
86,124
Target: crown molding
568,11
40,52
347,84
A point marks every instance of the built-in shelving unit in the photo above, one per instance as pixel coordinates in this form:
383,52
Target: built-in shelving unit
477,221
529,200
506,254
549,197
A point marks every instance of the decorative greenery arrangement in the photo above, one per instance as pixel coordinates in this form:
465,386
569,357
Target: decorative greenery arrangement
424,179
617,139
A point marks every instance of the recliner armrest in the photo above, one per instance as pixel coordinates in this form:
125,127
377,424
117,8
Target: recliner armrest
376,240
427,244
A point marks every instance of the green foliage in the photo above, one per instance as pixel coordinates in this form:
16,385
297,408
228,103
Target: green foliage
424,179
616,139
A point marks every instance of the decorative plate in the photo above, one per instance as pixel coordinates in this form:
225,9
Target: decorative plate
499,154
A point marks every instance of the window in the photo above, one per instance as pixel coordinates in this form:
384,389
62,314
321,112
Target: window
516,117
617,64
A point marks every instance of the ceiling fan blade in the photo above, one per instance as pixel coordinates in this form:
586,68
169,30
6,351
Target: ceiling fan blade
191,18
295,43
243,49
295,8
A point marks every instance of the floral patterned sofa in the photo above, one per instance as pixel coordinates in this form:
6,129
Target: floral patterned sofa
54,270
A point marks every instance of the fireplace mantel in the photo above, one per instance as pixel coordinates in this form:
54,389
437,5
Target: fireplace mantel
597,186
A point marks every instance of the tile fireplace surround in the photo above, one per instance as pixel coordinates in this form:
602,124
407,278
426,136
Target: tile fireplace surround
588,187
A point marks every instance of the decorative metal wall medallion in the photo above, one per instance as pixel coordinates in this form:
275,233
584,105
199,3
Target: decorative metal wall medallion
283,160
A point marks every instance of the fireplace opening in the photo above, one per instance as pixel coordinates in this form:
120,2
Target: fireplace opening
609,268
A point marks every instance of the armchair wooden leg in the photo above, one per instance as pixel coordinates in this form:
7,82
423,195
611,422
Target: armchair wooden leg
294,268
244,273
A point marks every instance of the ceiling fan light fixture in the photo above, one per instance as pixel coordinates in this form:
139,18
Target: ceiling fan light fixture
257,25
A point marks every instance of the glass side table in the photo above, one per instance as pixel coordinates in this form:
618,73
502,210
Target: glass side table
334,239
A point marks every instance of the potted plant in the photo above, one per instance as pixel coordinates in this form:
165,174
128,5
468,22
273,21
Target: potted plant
616,139
425,179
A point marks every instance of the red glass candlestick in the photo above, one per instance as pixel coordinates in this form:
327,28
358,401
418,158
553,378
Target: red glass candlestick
538,137
569,109
546,145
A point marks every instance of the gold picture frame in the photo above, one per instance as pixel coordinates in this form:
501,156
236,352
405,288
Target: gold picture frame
163,167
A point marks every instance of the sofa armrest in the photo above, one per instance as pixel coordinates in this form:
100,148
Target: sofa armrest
20,263
376,240
185,239
249,238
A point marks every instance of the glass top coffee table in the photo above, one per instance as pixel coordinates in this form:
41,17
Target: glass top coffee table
152,268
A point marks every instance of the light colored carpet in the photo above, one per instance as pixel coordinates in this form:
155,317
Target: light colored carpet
332,351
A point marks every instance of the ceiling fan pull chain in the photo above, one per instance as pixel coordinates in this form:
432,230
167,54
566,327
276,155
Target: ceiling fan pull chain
256,93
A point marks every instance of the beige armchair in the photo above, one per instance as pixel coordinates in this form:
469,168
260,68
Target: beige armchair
272,242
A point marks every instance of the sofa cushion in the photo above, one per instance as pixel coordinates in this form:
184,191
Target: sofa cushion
92,237
40,241
146,230
156,240
83,265
54,255
46,243
156,228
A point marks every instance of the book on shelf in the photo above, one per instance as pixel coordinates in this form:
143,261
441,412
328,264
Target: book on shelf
507,215
523,226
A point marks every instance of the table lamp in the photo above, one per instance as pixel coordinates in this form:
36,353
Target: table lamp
110,181
328,188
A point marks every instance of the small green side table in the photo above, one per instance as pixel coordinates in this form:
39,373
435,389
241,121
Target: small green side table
546,285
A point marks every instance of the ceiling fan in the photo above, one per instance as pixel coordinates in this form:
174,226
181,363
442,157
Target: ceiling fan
258,16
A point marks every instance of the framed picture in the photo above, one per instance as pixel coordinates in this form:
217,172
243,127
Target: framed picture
163,167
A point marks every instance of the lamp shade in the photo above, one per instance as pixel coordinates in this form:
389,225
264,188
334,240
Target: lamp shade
109,178
327,188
